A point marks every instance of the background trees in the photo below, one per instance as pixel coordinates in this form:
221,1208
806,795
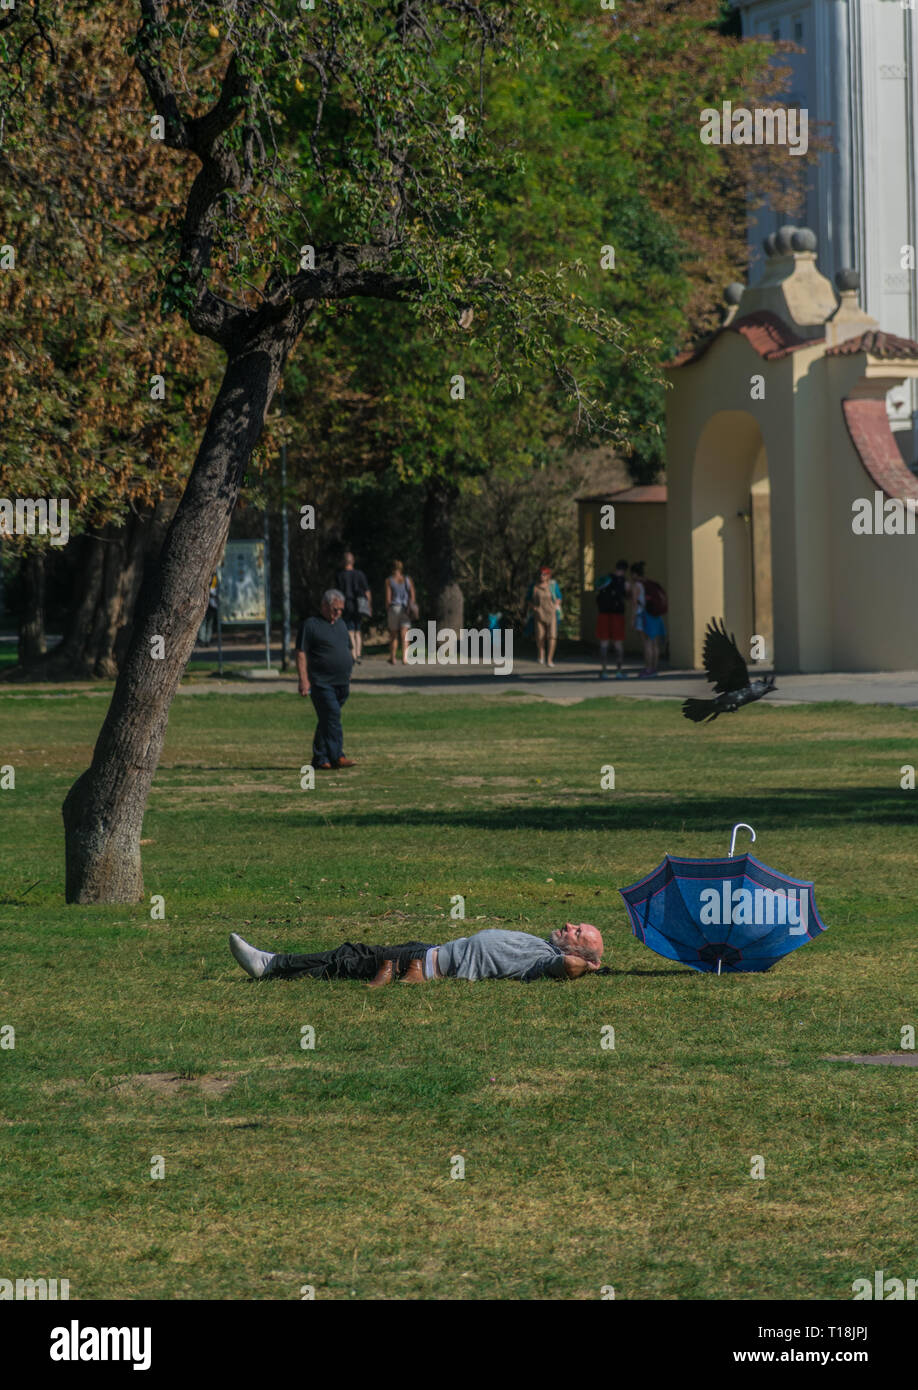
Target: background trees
308,161
593,147
601,151
378,203
83,191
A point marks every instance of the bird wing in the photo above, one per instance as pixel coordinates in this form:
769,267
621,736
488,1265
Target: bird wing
724,667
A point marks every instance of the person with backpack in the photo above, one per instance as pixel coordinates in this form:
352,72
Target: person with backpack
650,603
610,618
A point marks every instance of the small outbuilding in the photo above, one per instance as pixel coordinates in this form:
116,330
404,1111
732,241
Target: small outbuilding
789,510
629,524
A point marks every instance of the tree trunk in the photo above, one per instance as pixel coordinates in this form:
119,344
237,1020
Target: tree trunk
118,580
107,568
104,809
71,659
143,545
32,622
443,592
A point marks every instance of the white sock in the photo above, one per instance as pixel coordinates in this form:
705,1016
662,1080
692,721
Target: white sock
254,962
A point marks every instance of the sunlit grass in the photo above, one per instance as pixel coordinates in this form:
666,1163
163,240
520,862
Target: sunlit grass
331,1167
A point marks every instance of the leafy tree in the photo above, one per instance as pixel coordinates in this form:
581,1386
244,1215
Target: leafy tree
603,151
381,204
82,416
378,202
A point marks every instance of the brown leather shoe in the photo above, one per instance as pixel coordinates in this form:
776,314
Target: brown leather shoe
345,762
383,975
414,975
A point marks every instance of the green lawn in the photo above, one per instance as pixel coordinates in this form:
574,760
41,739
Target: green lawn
331,1167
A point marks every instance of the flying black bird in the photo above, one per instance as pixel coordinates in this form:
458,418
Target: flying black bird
729,675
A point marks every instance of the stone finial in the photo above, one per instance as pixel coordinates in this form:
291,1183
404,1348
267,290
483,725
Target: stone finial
769,244
784,238
847,280
732,296
791,285
849,319
804,239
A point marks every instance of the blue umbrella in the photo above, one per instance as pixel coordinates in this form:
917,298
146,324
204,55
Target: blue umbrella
722,915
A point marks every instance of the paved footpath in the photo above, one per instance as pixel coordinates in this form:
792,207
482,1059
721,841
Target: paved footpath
570,680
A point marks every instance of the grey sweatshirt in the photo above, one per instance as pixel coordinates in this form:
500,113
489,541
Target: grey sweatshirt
496,954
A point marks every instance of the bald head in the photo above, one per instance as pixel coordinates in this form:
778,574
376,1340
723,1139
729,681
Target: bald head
579,939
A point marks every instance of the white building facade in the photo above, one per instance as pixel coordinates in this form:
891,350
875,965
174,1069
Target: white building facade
858,79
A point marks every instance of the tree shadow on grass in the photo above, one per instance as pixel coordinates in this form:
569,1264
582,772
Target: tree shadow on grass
823,808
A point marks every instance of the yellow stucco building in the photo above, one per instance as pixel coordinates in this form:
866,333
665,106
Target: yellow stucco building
788,509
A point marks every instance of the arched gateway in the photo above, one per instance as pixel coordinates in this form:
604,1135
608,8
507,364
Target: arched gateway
789,509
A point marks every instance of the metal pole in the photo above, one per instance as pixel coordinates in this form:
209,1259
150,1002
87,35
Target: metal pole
267,588
219,634
285,550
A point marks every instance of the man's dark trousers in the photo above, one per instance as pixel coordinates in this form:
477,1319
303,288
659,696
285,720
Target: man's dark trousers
352,961
328,743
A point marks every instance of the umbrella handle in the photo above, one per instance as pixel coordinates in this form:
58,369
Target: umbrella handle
740,825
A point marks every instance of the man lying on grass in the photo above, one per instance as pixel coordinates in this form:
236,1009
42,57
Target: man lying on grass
494,954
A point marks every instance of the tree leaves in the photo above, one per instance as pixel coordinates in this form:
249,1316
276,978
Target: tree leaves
82,188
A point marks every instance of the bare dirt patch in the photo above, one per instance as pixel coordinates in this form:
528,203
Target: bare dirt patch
170,1083
878,1059
539,1088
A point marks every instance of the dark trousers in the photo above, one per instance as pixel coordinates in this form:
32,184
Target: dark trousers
352,961
328,742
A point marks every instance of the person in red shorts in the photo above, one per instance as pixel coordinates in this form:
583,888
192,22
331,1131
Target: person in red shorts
610,619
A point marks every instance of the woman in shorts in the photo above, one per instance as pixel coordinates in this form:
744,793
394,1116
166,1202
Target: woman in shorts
401,607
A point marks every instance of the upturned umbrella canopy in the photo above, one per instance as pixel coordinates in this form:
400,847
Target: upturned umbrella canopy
722,915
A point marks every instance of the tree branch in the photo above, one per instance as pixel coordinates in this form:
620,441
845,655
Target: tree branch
220,171
218,319
148,62
344,272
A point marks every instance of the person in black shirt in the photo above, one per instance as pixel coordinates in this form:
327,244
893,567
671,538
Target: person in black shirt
353,585
323,663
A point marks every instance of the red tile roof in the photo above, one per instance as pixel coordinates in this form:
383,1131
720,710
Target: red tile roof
769,335
877,344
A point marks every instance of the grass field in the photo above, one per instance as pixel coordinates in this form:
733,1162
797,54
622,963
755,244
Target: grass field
330,1167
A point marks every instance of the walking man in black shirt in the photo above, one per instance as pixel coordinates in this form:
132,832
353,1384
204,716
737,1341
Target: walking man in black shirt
355,588
323,664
